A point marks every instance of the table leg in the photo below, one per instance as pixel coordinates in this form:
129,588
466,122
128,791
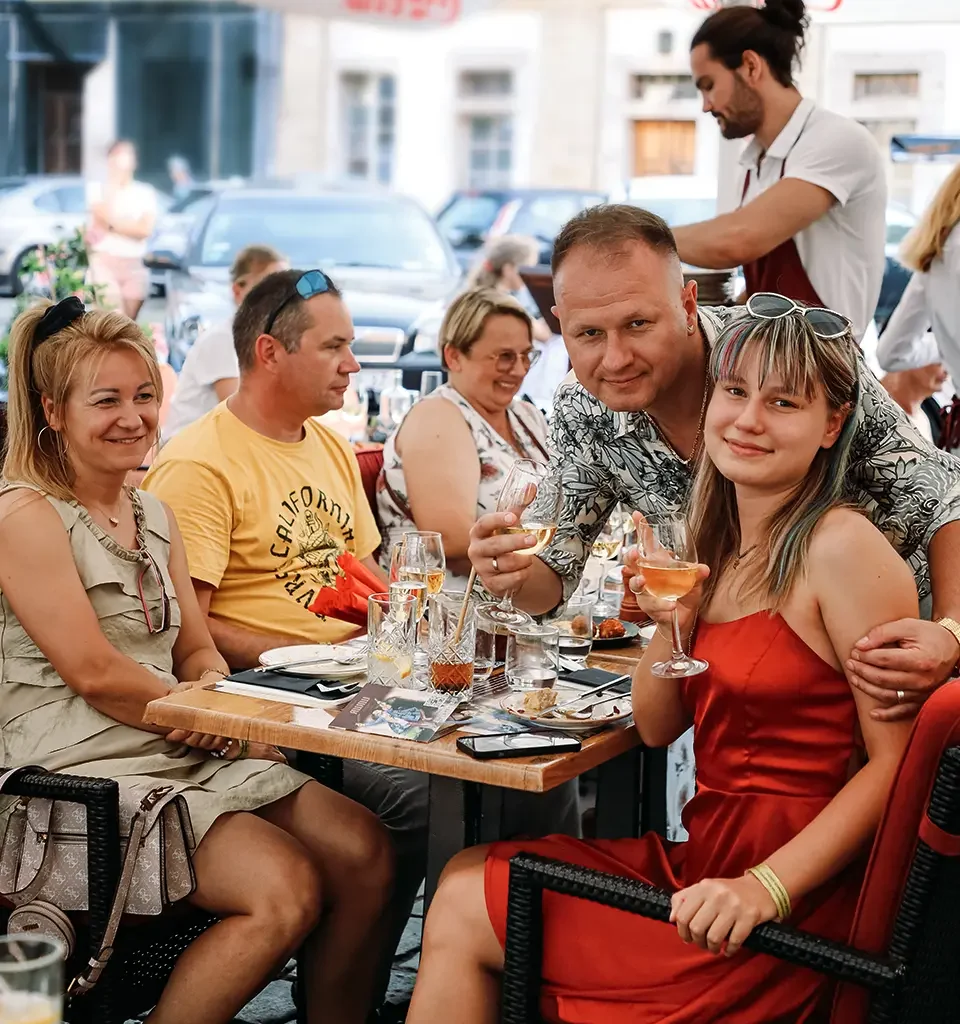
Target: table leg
653,792
461,814
618,796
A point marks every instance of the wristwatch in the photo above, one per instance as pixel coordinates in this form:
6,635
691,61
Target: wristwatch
952,626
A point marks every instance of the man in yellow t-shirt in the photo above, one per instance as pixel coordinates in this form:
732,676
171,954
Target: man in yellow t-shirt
278,531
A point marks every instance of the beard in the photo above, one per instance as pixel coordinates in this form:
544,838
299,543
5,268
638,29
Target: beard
744,114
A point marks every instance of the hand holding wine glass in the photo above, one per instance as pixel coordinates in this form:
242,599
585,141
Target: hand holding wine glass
668,583
533,498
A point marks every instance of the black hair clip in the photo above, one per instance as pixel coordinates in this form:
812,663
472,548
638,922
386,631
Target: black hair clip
57,317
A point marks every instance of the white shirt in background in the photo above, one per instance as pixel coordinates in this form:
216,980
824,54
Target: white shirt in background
843,251
931,300
131,203
212,358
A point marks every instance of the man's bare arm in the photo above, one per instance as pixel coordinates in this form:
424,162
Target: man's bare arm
755,229
241,648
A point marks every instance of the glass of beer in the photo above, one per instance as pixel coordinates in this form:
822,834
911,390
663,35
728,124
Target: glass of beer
667,558
453,643
31,980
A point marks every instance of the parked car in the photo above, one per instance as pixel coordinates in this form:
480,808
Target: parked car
35,211
471,217
895,275
383,251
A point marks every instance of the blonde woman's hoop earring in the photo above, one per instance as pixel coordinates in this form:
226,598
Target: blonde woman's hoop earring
40,436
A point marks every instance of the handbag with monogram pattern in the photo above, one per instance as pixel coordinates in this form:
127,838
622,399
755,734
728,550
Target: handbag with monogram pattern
43,855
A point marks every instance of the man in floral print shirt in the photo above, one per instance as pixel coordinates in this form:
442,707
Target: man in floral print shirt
629,429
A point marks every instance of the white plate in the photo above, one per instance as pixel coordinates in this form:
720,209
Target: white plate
324,667
600,716
284,696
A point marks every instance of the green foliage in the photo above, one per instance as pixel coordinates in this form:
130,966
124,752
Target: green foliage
54,272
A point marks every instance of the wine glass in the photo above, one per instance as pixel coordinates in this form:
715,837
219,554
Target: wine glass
533,495
667,557
419,559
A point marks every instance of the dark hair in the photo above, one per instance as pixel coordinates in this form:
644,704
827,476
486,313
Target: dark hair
612,226
261,303
775,32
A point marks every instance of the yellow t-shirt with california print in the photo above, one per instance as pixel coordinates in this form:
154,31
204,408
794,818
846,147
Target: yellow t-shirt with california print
271,525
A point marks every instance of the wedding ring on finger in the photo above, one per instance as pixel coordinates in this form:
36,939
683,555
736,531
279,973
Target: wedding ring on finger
496,566
224,750
901,696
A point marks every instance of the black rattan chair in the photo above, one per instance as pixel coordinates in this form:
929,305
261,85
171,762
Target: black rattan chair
904,963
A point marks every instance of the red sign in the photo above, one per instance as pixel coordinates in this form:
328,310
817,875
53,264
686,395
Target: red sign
405,10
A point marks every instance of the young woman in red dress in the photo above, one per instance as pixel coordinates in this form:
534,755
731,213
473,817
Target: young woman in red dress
798,578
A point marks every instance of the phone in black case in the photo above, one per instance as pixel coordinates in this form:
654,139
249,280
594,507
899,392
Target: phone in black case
518,744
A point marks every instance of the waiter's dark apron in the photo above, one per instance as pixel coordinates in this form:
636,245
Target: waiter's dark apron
780,270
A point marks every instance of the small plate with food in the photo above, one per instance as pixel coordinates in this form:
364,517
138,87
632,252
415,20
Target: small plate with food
536,708
609,632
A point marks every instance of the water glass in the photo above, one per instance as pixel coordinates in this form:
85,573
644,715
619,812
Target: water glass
430,380
533,656
31,980
391,637
450,657
486,650
575,622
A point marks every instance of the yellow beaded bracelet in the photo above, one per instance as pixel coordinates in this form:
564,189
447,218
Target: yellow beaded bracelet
768,878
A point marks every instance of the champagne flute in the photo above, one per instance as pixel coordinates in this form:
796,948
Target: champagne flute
534,497
422,561
417,588
668,560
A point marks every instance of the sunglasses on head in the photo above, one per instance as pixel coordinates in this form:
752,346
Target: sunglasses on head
824,323
313,282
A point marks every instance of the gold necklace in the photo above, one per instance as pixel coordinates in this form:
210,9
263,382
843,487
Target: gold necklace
113,520
698,443
741,556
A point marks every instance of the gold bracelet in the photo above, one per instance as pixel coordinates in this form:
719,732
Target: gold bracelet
768,878
212,671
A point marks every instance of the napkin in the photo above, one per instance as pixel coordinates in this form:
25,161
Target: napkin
347,598
292,684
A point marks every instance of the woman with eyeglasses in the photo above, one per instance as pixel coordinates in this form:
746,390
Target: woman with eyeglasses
98,617
785,808
444,465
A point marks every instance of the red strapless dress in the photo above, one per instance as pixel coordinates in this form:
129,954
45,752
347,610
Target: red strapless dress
774,734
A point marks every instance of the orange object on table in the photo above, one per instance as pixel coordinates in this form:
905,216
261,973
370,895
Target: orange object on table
630,611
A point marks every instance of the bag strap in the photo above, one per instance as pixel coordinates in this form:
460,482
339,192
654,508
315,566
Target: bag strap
85,981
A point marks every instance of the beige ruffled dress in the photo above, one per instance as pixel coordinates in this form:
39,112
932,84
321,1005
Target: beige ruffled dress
44,722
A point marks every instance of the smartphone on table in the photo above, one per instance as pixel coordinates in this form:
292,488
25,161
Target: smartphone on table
518,744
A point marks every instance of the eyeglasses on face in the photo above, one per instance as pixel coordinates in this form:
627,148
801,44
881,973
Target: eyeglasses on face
824,323
507,360
310,284
150,573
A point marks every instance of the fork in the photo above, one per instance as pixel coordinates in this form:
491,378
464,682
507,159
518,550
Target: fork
337,659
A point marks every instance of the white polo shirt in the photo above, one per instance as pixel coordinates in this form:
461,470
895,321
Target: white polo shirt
842,252
212,358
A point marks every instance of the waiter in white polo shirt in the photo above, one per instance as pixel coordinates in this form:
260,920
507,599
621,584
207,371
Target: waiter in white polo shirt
812,190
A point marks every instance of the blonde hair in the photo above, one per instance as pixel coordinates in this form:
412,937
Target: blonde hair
253,258
807,364
468,315
925,242
50,369
517,250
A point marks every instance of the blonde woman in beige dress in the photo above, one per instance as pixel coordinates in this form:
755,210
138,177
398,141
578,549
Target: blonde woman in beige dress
97,618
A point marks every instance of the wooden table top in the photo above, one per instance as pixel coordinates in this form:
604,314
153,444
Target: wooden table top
261,720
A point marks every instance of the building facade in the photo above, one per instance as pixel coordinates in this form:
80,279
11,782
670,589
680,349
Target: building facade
587,94
194,79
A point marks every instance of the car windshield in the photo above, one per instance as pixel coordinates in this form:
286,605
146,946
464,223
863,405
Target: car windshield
327,232
469,215
676,211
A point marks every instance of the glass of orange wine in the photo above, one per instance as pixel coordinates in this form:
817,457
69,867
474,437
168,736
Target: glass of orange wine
668,558
534,497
